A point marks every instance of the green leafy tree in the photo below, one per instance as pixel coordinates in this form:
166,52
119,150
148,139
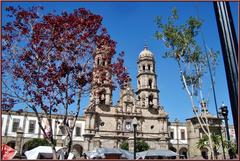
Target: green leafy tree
124,145
141,145
204,143
233,148
182,46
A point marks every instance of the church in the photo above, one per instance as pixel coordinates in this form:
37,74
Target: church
109,126
106,125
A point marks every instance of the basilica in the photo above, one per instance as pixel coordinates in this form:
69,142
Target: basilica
108,126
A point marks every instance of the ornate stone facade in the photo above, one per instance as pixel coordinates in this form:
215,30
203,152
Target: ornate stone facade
109,126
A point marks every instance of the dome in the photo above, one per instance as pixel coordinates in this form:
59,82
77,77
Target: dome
145,53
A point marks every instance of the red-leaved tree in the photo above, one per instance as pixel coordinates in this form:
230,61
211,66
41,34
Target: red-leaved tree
47,63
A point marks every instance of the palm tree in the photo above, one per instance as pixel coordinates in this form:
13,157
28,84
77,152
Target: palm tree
204,143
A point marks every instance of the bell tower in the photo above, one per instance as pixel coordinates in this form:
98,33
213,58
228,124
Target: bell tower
147,90
101,92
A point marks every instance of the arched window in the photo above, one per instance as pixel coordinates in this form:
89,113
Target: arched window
183,153
149,67
150,100
102,97
98,61
143,67
150,83
204,153
78,149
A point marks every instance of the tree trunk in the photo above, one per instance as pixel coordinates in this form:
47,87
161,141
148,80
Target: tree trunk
208,133
210,141
54,152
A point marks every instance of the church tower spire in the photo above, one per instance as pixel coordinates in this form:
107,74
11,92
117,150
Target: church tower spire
101,92
147,90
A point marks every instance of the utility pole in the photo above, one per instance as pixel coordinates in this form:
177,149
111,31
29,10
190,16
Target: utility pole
134,123
229,46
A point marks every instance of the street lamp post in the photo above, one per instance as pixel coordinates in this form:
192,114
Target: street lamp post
134,123
224,113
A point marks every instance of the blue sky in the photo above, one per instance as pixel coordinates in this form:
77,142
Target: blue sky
131,25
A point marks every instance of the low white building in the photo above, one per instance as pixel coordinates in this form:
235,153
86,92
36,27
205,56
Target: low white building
28,123
178,138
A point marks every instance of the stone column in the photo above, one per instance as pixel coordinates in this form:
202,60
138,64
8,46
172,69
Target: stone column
146,101
18,145
59,139
86,144
24,122
92,125
90,144
8,122
155,103
107,99
165,125
161,125
97,142
157,144
124,107
131,144
87,123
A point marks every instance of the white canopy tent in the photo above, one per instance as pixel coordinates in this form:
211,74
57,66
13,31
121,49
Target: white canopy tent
156,153
100,153
46,153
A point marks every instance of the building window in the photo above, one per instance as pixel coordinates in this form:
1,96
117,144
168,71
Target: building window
143,67
149,67
150,100
15,125
78,131
150,83
98,61
172,135
182,134
32,124
102,97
